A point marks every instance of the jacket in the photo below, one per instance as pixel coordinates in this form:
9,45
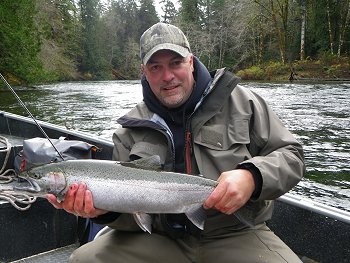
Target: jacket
232,127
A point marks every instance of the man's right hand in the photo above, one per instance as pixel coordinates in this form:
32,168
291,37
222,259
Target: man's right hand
78,201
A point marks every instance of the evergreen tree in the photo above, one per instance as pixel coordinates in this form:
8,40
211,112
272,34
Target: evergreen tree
20,41
190,13
91,63
59,27
147,15
124,24
169,11
317,36
59,39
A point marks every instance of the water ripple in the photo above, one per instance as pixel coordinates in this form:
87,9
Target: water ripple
317,114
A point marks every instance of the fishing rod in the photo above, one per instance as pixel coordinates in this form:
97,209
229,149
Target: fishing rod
30,114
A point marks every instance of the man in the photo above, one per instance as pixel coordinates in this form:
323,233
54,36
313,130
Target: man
198,123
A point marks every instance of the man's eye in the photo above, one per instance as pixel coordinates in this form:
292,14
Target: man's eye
176,63
154,68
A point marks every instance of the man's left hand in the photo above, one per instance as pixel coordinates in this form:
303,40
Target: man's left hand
235,188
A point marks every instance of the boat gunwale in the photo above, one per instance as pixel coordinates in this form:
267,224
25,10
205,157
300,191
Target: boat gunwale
288,198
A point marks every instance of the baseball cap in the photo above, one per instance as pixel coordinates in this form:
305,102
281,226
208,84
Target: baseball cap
163,36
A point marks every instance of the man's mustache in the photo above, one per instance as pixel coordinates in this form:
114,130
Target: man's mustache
170,84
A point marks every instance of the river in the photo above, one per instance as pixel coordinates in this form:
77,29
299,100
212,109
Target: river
317,114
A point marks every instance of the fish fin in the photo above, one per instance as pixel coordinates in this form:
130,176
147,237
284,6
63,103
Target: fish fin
60,198
197,216
144,221
152,163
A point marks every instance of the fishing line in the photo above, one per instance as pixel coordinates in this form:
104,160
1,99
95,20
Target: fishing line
30,114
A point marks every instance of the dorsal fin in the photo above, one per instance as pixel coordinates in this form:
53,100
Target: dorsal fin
147,163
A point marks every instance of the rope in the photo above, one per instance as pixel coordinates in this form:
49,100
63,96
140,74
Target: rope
14,198
4,178
20,201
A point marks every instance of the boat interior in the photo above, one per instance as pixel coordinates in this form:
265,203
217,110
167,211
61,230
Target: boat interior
41,233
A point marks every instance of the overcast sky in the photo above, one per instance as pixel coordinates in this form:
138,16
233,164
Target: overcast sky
159,8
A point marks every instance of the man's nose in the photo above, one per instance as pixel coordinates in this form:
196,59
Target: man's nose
168,74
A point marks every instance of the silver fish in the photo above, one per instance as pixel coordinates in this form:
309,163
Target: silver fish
125,187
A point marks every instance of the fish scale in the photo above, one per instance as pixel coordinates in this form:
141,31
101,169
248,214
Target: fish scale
126,187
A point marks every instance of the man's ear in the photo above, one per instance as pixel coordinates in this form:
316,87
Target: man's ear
142,68
191,62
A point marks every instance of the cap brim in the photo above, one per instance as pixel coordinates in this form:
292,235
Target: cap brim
182,51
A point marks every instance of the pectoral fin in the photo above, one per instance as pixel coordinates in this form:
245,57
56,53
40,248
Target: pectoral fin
197,216
144,221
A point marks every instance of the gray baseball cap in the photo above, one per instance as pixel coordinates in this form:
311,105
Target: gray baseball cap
163,36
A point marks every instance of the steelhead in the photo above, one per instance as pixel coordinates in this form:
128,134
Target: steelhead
130,187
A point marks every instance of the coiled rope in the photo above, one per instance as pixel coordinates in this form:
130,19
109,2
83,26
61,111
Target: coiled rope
17,200
4,178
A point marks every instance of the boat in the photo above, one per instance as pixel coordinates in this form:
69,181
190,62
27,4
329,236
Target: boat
314,231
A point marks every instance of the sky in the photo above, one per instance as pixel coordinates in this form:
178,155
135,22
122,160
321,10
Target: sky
159,8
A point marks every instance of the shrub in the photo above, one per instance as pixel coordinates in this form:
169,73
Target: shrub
252,73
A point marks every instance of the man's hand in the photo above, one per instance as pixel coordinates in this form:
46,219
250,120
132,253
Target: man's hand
78,201
234,189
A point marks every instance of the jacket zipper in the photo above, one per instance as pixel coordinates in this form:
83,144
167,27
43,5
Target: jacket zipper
188,152
188,134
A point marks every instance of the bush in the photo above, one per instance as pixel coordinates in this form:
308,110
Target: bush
273,69
252,73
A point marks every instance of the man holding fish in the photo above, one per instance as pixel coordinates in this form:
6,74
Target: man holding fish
200,123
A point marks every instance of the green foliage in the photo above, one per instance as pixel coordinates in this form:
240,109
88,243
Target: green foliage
20,42
317,37
147,15
327,59
267,71
90,61
58,24
169,12
129,22
275,68
252,73
67,39
335,66
190,12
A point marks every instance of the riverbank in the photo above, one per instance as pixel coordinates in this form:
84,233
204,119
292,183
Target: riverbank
328,68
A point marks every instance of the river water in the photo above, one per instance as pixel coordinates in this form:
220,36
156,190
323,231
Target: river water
317,114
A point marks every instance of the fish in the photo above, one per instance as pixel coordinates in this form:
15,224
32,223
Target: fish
139,187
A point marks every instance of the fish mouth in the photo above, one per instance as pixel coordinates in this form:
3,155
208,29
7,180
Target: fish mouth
28,185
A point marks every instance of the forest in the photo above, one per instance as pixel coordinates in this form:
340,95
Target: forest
62,40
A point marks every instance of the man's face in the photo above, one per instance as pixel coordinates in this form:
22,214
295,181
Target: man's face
170,77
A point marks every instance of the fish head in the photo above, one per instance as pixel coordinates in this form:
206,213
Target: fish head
40,184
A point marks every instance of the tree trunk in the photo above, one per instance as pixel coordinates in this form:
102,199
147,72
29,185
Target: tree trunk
330,28
280,34
343,28
302,33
